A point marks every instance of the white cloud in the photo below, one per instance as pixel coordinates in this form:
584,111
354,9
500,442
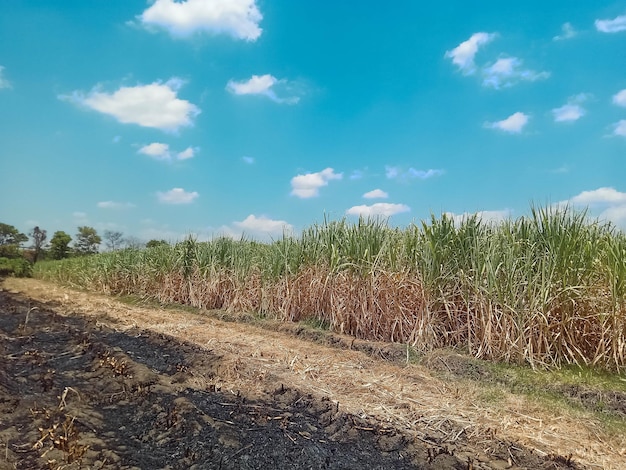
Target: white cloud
607,203
612,26
571,111
115,205
79,215
308,185
567,32
237,18
507,71
186,154
606,195
394,172
257,227
489,217
568,112
177,196
620,98
514,124
160,151
619,128
155,105
156,150
248,160
4,83
383,209
376,194
616,214
264,225
263,85
257,85
463,55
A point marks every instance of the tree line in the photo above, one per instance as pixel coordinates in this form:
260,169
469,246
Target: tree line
14,254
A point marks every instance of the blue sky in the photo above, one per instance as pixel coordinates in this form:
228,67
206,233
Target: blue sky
160,119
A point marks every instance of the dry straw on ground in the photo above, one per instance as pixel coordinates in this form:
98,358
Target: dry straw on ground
407,396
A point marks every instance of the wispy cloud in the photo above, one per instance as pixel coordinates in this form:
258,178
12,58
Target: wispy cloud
264,85
308,185
561,169
514,124
4,83
568,112
237,18
356,174
177,196
161,151
507,71
620,98
567,32
380,209
80,217
615,25
115,205
489,217
156,105
619,128
463,55
573,110
376,194
394,172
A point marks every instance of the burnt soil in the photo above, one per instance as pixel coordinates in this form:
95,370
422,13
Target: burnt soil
76,393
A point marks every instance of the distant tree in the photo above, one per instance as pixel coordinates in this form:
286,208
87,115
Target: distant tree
39,238
87,241
113,240
59,245
134,243
155,243
10,241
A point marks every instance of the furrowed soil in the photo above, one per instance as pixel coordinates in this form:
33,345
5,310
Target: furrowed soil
87,381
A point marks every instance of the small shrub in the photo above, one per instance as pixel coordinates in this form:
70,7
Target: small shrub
18,267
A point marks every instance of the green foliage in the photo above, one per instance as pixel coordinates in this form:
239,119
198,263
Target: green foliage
18,267
548,289
10,241
59,245
10,251
87,241
9,235
156,243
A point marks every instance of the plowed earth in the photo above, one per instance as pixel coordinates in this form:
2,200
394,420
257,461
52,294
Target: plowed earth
89,382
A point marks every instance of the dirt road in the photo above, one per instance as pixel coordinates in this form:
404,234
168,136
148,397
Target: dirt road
87,381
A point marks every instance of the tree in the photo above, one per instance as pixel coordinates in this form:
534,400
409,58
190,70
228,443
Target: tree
134,243
155,243
113,240
39,237
87,241
10,241
59,245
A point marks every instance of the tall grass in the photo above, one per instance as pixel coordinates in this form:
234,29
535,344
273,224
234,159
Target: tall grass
547,289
